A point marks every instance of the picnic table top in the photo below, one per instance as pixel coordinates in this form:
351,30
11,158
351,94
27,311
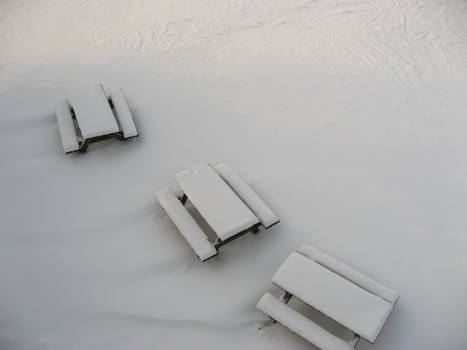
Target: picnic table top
93,112
217,203
338,298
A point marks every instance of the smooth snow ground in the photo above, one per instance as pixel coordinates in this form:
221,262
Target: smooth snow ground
348,119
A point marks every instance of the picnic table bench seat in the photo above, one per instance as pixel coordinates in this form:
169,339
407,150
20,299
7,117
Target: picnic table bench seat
265,215
66,127
300,324
123,114
187,226
345,295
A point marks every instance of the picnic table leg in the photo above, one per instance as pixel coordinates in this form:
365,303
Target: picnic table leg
73,115
119,136
183,199
83,147
353,342
285,298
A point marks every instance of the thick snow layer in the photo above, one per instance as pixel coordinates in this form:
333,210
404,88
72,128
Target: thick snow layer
66,127
348,118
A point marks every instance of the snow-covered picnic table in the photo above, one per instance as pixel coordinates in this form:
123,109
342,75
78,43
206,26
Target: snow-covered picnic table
98,117
225,201
343,294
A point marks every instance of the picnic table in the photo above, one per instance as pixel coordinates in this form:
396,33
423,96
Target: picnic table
343,294
97,117
225,201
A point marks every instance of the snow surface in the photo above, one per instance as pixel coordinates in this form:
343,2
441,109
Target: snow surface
347,117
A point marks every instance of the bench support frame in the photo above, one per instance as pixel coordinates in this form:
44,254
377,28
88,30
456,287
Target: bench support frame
85,143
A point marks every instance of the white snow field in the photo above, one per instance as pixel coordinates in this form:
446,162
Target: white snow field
348,118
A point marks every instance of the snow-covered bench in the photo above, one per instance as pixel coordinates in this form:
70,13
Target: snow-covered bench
97,116
265,215
66,127
338,291
188,227
226,202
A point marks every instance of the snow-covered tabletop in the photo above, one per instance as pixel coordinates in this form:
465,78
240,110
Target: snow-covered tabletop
223,210
93,112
